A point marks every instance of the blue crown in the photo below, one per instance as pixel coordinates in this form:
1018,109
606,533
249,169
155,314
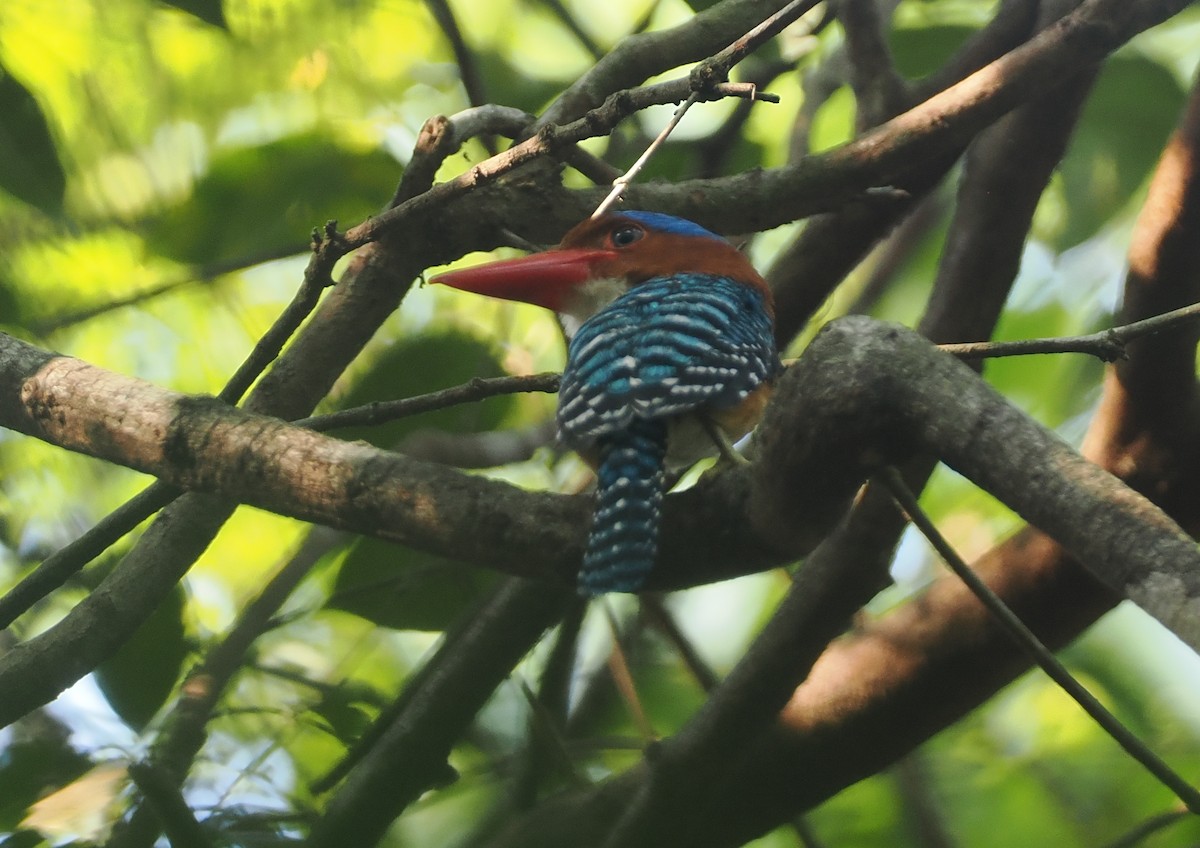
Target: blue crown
670,224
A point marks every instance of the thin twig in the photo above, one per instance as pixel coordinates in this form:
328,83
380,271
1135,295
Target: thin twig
545,726
1013,625
1107,345
880,92
176,817
468,66
474,390
660,617
621,182
568,20
57,568
550,139
546,744
717,68
618,667
706,77
316,279
437,704
918,800
1148,828
201,274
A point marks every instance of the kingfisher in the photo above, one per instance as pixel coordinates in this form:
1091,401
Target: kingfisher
671,357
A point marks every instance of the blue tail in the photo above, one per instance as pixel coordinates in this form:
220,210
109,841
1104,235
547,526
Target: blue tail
623,541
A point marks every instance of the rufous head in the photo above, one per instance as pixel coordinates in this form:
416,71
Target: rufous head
602,258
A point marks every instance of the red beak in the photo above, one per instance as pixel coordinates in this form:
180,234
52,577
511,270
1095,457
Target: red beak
542,279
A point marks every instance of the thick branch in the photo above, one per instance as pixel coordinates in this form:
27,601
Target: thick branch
831,245
759,200
38,670
864,393
869,394
882,690
1013,159
403,762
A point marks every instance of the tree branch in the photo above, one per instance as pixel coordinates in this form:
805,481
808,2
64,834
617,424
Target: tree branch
855,394
411,750
879,90
831,245
1014,158
1108,345
1040,654
883,689
47,664
759,200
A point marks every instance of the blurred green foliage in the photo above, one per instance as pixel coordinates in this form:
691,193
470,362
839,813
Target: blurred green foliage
159,164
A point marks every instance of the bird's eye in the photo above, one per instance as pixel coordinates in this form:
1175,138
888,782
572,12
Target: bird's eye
626,236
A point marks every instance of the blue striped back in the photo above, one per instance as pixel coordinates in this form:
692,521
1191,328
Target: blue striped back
669,346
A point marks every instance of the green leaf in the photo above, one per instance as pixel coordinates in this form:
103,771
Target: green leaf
1035,382
209,11
919,51
345,713
424,364
1129,116
138,679
510,84
265,201
30,169
11,311
397,587
833,123
23,839
29,770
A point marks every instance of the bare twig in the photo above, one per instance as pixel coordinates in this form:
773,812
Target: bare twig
57,568
920,804
709,76
618,667
879,90
409,752
486,449
474,390
468,67
549,140
660,617
1148,828
890,257
716,69
176,817
643,55
1040,654
621,182
581,35
200,274
284,327
1107,345
546,743
1014,158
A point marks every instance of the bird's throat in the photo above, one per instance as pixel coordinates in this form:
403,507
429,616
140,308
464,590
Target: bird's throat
587,299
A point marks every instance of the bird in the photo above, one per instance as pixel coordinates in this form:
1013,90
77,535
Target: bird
671,357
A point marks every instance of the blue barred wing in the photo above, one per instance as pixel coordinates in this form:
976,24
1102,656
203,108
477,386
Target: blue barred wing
669,346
